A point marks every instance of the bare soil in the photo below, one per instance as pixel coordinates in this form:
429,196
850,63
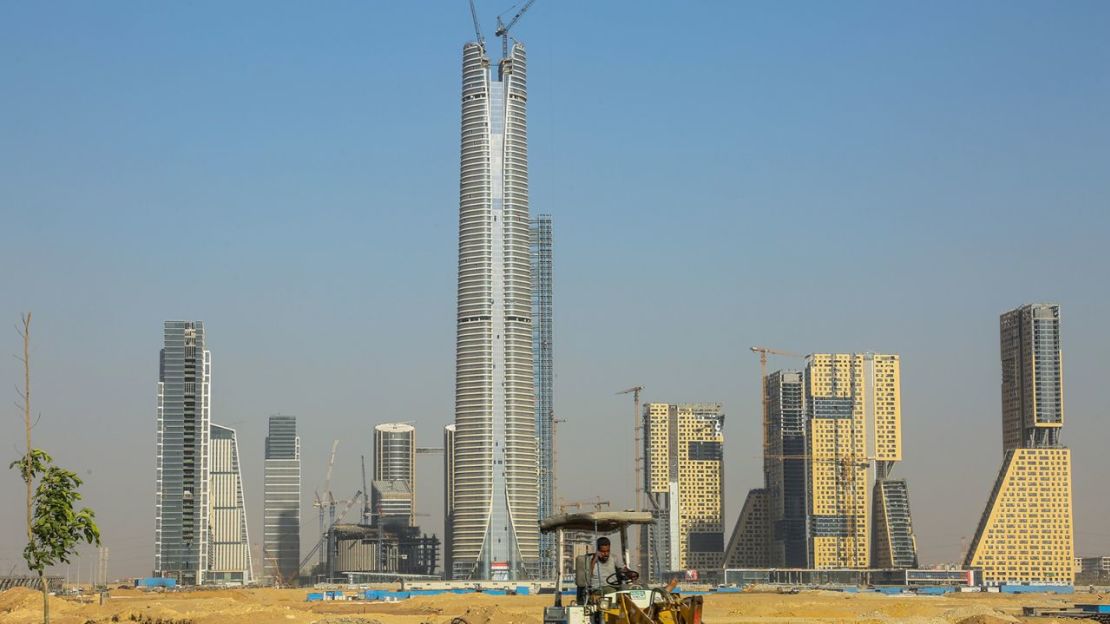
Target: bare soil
288,606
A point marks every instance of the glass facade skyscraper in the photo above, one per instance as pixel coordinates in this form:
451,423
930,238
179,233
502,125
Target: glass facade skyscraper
181,530
282,515
495,532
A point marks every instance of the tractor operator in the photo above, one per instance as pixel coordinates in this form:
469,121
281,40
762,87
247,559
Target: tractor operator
603,573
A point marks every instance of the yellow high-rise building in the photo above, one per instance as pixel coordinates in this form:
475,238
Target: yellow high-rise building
684,476
1025,534
846,395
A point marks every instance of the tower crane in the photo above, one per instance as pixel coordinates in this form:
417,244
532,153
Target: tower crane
763,352
328,501
637,429
319,547
477,29
503,28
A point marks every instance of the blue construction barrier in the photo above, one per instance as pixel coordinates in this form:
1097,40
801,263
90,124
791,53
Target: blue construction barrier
314,596
1037,589
156,581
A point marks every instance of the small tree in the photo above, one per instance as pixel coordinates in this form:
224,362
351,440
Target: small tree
56,527
53,527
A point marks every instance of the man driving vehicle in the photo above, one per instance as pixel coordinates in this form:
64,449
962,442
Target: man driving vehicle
600,571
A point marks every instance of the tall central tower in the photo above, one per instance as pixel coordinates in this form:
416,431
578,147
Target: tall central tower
494,532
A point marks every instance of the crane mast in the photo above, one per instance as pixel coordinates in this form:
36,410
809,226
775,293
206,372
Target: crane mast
503,28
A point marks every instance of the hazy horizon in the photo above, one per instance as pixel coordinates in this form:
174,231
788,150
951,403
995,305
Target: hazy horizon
885,177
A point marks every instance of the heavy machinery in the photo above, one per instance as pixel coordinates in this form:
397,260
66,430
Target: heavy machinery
626,603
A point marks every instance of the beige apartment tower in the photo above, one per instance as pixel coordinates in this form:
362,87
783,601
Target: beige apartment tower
854,422
684,483
1025,534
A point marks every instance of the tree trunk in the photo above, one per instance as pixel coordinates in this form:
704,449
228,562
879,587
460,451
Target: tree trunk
45,599
27,409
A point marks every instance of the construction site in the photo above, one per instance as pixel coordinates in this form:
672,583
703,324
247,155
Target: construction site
273,606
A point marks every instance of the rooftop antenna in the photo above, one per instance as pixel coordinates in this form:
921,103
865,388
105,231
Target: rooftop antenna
503,28
477,29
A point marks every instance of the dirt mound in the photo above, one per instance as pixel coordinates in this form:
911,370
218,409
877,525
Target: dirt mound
978,614
19,598
347,619
23,604
491,615
987,619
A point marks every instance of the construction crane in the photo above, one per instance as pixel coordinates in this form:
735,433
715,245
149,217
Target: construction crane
637,430
503,28
365,494
328,501
477,29
763,352
318,548
596,503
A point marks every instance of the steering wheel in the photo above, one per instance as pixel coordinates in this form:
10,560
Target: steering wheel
620,576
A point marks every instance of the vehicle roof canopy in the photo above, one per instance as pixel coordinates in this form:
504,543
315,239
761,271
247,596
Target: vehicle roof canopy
599,521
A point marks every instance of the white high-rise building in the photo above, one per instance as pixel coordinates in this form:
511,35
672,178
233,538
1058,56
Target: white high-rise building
229,556
494,527
395,472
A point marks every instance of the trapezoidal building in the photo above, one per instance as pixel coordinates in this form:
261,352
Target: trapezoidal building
1025,534
494,527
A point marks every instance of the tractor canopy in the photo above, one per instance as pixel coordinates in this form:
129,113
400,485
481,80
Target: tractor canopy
599,521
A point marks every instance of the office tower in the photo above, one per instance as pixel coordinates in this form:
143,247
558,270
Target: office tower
229,559
1032,377
495,529
543,377
395,462
853,405
181,491
448,495
282,514
684,474
1025,534
749,546
785,470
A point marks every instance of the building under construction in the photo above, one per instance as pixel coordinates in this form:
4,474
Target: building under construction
832,435
364,553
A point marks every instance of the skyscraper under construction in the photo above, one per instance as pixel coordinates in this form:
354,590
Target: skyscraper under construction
494,520
827,426
1025,534
181,530
544,377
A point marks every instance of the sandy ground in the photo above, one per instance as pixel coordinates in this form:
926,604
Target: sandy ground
262,606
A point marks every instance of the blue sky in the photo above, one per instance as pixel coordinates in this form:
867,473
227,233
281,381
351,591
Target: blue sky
884,176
